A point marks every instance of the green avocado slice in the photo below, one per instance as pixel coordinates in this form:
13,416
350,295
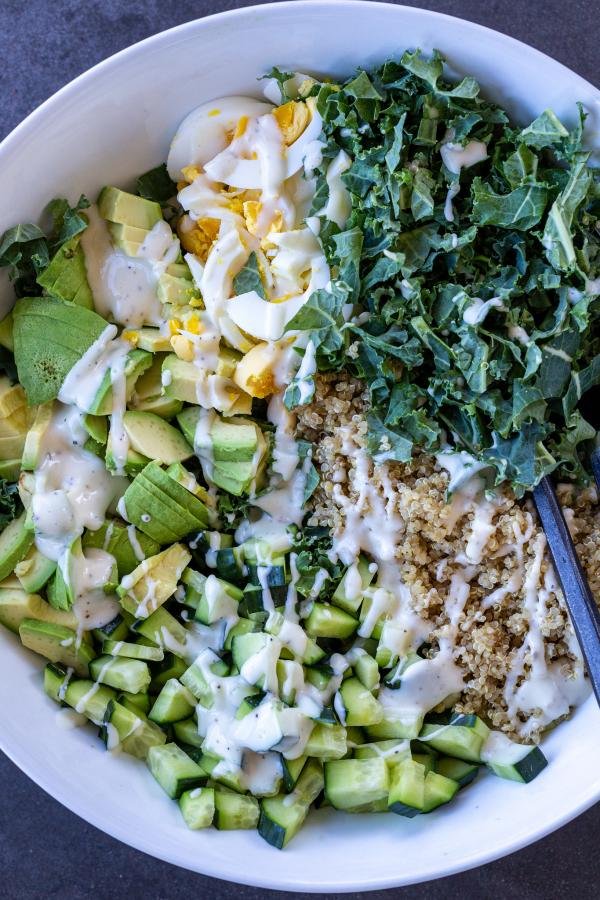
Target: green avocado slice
50,337
66,277
161,507
115,538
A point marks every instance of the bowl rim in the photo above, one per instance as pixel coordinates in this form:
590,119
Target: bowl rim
16,752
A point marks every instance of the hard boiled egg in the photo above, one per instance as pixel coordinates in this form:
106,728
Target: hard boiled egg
207,130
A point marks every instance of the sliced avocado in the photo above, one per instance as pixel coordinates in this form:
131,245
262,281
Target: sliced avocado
16,605
162,508
12,398
180,474
148,395
33,442
179,269
152,340
10,468
121,541
50,337
34,570
127,238
15,542
188,422
6,332
153,437
134,462
97,428
137,362
178,291
183,379
234,440
66,277
57,643
227,362
153,581
127,209
58,592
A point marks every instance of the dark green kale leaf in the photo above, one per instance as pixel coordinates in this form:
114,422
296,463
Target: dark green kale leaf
157,185
249,279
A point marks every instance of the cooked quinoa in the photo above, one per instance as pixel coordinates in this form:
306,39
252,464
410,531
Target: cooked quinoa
434,532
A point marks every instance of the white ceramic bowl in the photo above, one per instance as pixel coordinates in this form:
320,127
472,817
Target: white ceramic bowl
116,121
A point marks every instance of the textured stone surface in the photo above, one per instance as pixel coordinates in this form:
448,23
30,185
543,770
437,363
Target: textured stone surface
46,851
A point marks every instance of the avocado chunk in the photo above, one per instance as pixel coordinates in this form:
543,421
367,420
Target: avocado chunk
51,336
32,450
16,605
15,542
153,437
178,291
12,447
127,238
127,209
57,643
137,362
122,542
134,462
97,428
233,454
148,395
66,277
153,340
186,381
34,570
153,582
161,507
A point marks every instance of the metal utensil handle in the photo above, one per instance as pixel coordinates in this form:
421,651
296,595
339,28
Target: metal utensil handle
578,596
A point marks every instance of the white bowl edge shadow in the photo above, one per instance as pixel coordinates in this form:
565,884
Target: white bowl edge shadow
112,123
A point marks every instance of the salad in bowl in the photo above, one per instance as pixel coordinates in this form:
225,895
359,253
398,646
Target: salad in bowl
268,424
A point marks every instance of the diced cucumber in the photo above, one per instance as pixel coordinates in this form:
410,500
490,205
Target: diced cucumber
354,782
124,674
407,788
136,702
133,651
233,780
327,742
174,770
130,730
235,811
198,807
361,707
173,704
171,667
164,630
282,817
457,769
193,677
291,771
186,732
390,751
346,595
367,671
438,790
507,759
330,622
116,630
463,741
86,697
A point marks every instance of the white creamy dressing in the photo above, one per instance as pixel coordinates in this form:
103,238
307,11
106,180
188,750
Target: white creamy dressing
478,309
339,204
88,573
453,191
499,749
456,157
124,287
534,686
72,488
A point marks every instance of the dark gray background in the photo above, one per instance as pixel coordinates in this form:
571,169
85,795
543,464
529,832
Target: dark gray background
45,851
